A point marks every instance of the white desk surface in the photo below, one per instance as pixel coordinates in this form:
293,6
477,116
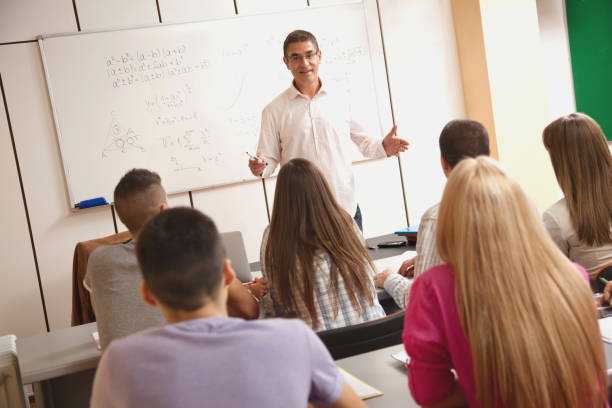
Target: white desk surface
383,372
60,352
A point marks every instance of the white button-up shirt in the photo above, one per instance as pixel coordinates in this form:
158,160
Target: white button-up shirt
317,129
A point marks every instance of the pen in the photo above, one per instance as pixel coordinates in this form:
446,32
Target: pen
603,280
256,158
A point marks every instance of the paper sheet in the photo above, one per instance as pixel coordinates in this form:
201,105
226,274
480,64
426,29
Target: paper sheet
364,390
605,328
393,262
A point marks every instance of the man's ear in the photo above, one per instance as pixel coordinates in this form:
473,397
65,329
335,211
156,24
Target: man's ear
286,61
228,272
445,166
164,206
146,295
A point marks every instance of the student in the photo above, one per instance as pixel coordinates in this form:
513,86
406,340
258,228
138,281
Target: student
459,139
509,313
310,120
313,256
581,222
202,357
113,275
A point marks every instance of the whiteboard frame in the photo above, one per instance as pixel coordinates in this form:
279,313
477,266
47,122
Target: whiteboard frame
41,38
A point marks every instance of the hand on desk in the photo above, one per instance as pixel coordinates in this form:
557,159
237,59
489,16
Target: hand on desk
607,295
407,268
381,277
259,287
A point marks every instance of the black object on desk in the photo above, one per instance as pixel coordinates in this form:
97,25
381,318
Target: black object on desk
392,244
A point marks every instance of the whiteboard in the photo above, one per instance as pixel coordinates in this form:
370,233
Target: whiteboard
185,100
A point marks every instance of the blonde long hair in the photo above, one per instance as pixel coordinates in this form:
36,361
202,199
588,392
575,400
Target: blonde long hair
528,314
305,220
583,165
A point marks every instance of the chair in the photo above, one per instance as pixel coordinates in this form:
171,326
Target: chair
82,312
598,284
360,338
11,387
236,252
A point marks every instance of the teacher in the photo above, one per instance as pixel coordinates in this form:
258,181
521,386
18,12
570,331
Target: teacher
311,121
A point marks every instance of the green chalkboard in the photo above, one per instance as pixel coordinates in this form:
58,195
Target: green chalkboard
589,25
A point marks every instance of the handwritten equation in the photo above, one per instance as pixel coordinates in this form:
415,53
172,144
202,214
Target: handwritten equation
144,66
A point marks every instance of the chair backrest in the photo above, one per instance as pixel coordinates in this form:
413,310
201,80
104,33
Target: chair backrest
11,388
360,338
236,252
82,312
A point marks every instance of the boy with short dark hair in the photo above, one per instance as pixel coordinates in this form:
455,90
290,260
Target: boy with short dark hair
202,356
460,138
113,275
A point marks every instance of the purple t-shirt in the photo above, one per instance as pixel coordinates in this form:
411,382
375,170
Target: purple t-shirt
218,362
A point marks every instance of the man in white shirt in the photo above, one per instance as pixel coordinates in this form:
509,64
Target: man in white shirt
309,121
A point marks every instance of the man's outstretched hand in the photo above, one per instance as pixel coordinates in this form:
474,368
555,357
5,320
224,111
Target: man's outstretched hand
394,145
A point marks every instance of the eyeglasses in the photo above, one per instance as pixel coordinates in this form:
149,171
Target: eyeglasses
309,56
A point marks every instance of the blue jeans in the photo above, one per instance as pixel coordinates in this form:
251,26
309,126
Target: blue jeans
358,219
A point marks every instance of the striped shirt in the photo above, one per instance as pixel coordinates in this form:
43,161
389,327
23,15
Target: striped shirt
427,257
346,315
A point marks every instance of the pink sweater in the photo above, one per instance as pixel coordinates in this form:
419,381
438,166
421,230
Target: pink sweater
435,341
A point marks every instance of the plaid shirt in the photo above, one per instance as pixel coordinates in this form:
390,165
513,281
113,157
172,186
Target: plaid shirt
427,256
346,314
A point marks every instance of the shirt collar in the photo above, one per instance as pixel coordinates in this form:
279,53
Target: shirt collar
294,92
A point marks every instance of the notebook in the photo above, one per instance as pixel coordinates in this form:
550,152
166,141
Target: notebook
363,390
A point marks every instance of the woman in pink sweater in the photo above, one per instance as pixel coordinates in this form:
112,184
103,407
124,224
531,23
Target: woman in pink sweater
509,313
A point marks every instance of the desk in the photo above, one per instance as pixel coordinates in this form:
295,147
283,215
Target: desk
383,372
60,365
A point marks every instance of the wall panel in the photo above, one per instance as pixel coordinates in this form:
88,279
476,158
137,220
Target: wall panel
239,207
179,11
19,289
22,20
426,90
556,58
55,228
95,14
262,6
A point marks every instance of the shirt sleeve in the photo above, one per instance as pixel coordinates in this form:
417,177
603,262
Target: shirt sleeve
427,250
91,265
326,381
368,146
399,288
269,142
429,372
554,230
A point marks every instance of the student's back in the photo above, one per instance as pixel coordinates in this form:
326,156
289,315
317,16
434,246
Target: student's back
581,222
313,255
219,362
113,277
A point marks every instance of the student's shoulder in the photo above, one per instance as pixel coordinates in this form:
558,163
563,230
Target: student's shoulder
280,328
558,209
437,276
431,213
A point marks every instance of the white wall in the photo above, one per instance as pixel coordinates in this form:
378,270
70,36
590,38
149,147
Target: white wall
556,58
425,87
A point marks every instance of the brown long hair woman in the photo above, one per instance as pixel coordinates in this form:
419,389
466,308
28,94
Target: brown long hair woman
581,222
509,312
313,256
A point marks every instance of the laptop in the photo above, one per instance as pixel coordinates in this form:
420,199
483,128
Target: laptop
236,252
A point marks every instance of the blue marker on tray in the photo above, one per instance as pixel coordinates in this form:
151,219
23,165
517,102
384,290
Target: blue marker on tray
94,202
